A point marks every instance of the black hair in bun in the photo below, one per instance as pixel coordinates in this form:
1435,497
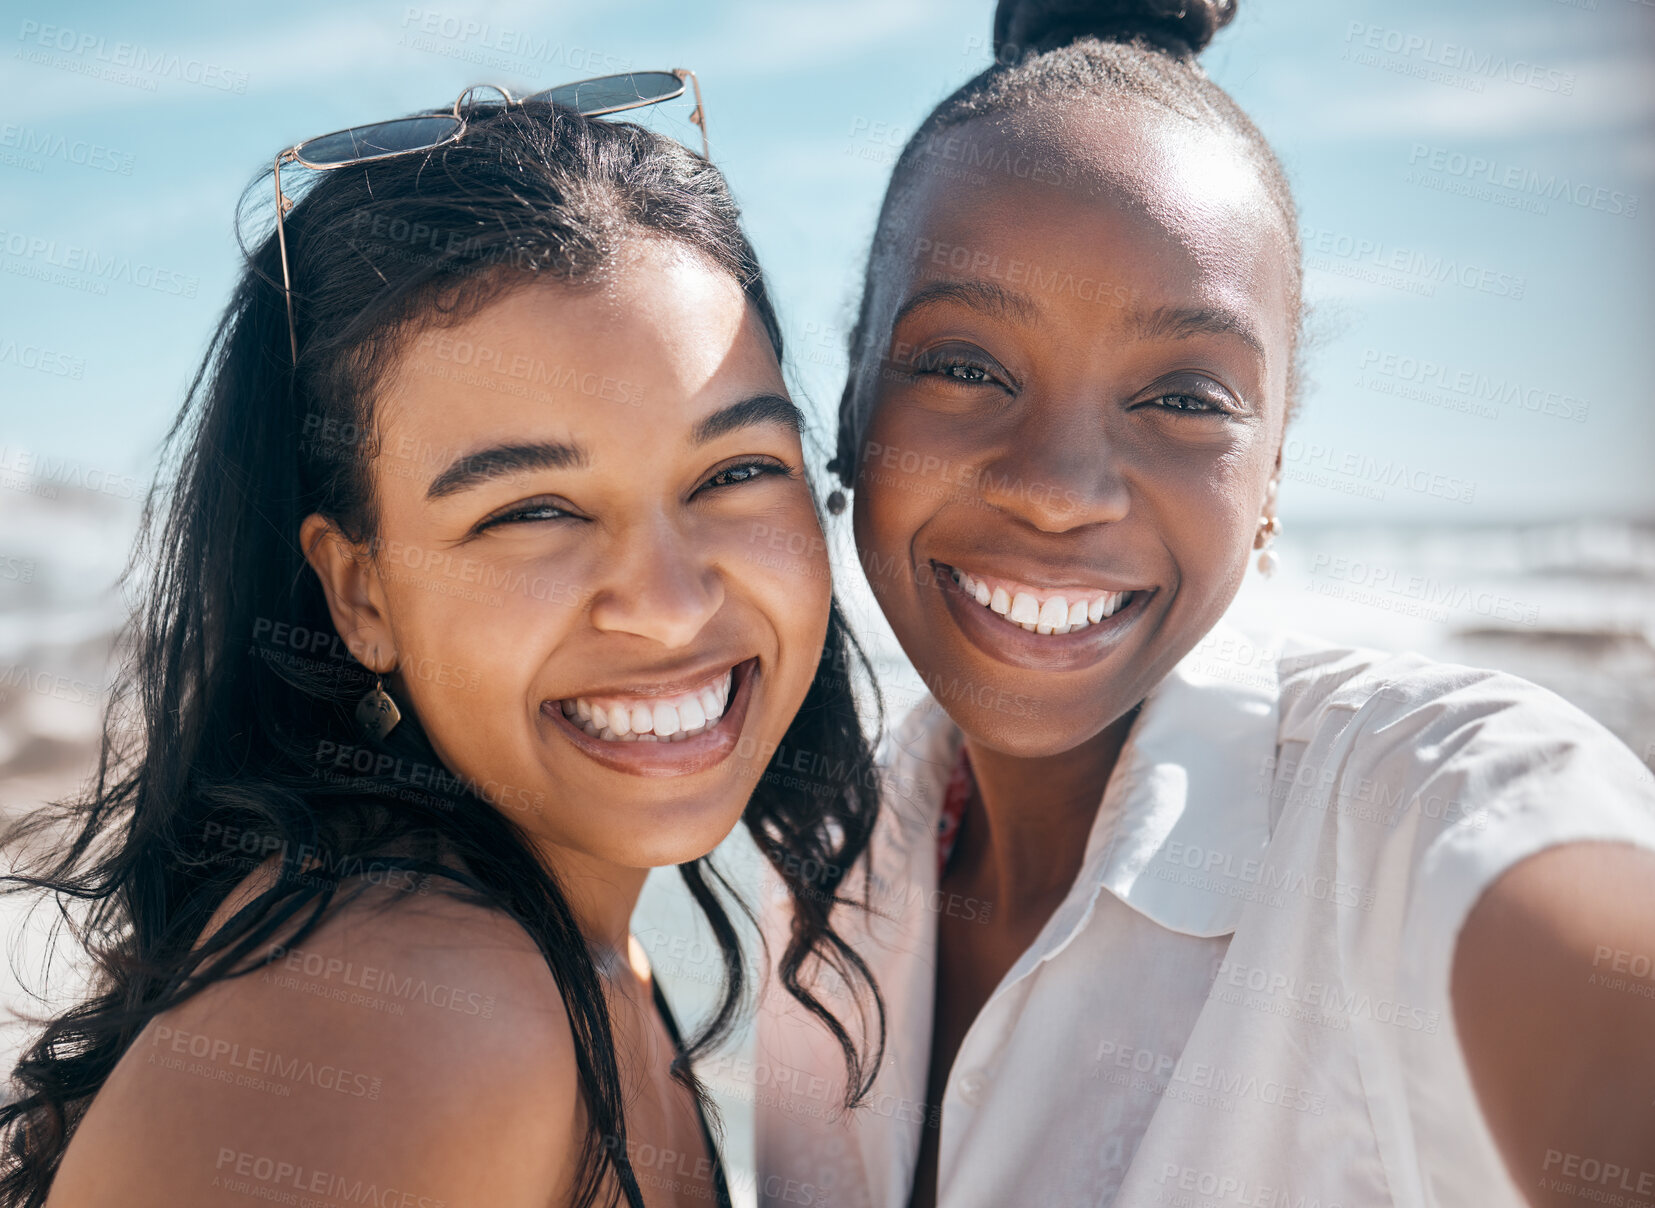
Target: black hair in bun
1182,27
1053,53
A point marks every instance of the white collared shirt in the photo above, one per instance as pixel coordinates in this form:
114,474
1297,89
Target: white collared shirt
1244,998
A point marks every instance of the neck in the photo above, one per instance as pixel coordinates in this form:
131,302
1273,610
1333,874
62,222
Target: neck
602,897
1026,827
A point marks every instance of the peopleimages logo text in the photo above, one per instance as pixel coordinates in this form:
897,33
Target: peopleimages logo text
132,56
1468,60
1547,186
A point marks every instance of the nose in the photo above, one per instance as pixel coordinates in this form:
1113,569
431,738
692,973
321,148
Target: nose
659,587
1057,473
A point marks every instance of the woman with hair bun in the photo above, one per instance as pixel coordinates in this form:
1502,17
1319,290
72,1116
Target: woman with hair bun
1163,915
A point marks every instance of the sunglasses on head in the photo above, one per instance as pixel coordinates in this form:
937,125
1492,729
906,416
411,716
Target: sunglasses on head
406,135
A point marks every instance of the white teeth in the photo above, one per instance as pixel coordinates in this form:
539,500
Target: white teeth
672,719
666,721
1053,615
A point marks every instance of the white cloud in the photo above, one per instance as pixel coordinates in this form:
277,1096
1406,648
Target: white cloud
1609,93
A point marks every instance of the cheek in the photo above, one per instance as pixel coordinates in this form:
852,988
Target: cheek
470,633
1206,516
910,455
903,477
780,564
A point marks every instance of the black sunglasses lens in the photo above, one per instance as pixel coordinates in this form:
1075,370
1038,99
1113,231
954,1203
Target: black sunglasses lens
382,138
610,94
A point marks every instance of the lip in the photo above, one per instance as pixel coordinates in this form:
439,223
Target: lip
685,681
1039,585
660,759
1012,644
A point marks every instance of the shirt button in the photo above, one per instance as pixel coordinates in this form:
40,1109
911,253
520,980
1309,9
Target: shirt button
971,1087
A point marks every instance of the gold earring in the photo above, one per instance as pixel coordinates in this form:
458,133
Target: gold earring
377,713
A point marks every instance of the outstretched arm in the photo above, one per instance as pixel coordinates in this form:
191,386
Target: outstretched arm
1554,1001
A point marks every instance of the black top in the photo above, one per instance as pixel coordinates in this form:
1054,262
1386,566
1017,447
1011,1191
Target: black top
720,1191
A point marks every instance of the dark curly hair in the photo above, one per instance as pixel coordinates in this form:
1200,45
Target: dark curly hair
209,764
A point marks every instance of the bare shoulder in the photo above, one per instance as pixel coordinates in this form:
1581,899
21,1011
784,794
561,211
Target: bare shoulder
410,1042
1553,990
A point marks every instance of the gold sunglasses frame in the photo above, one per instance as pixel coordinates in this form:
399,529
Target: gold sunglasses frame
292,156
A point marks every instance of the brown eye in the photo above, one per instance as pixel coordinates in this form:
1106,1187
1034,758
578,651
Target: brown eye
532,512
959,366
960,363
746,471
1186,402
1200,395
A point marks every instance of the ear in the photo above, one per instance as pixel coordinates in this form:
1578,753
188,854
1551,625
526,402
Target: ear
356,597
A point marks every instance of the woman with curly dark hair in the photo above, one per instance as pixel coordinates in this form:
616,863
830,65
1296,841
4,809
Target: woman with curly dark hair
461,618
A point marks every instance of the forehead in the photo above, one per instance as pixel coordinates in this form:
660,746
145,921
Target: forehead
635,358
1120,202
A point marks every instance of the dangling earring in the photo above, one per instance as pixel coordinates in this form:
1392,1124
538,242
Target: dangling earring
377,713
836,497
1269,528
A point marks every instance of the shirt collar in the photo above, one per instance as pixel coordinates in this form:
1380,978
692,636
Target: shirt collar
1187,806
1189,802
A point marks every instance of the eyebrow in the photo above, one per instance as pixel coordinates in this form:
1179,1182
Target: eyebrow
985,296
473,469
1182,323
1167,323
760,409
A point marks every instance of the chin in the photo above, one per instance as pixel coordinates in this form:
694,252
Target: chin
1028,738
679,832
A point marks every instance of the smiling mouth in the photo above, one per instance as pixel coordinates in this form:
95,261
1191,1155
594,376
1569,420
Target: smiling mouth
675,718
690,729
1043,629
1047,613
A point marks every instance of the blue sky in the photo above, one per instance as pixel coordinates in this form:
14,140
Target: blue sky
1475,183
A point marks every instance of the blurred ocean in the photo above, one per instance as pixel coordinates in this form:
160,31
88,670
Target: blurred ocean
1570,606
